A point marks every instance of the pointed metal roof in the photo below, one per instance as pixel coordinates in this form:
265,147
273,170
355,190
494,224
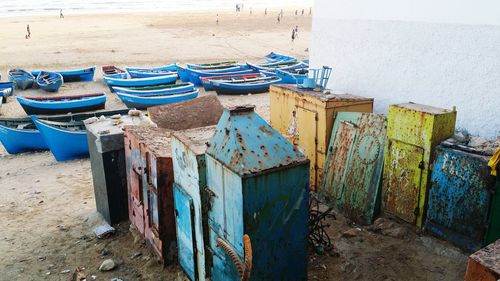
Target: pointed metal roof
246,144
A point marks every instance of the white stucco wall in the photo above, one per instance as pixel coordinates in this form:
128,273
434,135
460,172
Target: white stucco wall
442,53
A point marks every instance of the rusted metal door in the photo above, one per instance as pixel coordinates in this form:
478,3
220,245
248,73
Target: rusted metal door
459,197
353,168
338,162
404,176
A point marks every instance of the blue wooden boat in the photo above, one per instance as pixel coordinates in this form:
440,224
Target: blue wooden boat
268,73
274,57
183,73
112,71
19,135
170,67
272,68
75,75
135,82
295,76
196,75
7,85
65,140
215,65
4,93
260,85
62,104
21,78
149,73
49,81
207,81
143,102
167,89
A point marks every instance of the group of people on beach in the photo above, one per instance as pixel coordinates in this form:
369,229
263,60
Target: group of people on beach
28,31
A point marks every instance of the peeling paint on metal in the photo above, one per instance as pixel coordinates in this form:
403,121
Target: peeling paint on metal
353,168
413,130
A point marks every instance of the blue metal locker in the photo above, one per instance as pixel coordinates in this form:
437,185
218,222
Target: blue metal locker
259,186
460,196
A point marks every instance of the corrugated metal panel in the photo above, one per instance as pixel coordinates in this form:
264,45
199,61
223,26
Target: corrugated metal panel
459,197
413,130
305,118
188,150
246,144
199,112
267,201
353,169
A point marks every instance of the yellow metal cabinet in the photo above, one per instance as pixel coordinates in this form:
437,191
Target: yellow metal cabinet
305,118
413,130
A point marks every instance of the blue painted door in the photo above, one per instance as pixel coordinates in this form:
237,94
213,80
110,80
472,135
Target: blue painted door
184,209
459,197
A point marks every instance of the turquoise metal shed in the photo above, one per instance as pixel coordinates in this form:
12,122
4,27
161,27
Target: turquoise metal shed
259,186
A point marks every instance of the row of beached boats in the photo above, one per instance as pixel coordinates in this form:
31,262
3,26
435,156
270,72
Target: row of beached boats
138,88
49,81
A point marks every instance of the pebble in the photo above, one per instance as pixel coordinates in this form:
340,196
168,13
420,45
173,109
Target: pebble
65,271
353,232
107,265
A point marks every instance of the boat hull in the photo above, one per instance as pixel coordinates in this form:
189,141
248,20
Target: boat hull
21,78
196,75
147,74
31,106
243,89
151,81
166,91
6,85
183,73
18,141
77,75
64,144
290,78
140,102
56,81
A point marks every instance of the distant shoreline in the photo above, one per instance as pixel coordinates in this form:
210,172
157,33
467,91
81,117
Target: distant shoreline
84,11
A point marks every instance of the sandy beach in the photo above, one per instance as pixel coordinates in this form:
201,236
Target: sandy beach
47,208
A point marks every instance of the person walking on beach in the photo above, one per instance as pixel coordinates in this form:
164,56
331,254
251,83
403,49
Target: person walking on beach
265,12
302,12
296,31
310,10
296,11
61,16
279,18
250,11
217,21
293,35
29,32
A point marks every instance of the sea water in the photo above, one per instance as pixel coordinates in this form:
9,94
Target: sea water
47,7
